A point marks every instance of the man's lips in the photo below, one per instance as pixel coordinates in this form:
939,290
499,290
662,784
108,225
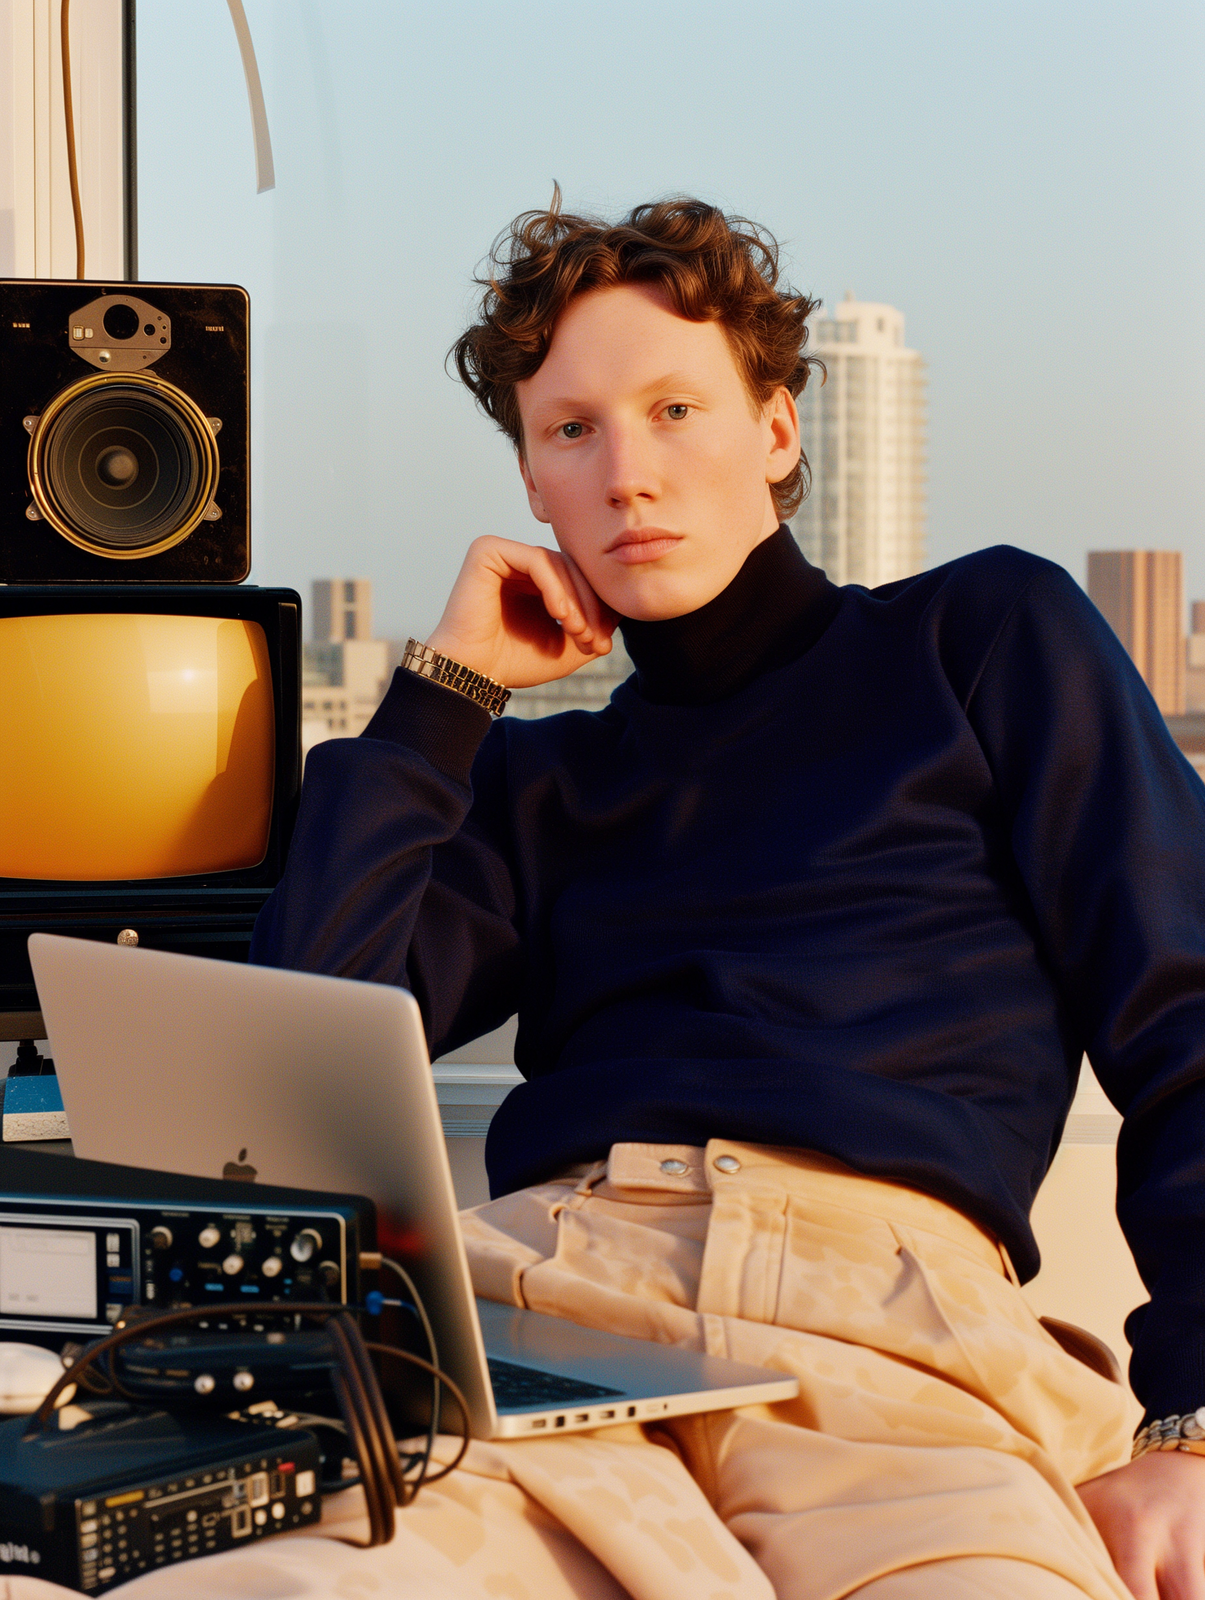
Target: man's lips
642,544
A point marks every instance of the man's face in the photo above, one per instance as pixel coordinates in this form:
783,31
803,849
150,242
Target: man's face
645,454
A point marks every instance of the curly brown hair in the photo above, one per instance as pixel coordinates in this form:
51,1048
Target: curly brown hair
712,267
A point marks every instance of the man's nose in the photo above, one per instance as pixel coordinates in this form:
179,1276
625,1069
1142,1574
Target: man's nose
630,469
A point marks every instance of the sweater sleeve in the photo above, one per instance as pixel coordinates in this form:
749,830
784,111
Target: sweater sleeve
398,871
1107,824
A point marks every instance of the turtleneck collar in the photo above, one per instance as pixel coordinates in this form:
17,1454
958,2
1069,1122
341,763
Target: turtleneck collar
775,609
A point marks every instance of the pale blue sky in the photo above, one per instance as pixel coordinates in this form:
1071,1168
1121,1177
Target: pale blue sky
1024,182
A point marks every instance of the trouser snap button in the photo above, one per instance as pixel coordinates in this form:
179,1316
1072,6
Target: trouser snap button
674,1167
727,1164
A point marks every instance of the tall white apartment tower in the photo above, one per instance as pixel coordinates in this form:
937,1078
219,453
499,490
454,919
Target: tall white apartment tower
864,436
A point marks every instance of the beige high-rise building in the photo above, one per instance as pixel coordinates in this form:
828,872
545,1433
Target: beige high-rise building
1141,594
345,671
341,608
863,433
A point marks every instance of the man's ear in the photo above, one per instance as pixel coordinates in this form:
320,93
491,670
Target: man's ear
533,494
782,418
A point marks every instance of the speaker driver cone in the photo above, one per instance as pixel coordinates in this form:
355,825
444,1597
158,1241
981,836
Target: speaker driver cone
123,465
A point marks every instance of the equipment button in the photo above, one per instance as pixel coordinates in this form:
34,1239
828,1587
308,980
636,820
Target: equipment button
177,1274
304,1245
272,1267
232,1266
112,1241
112,1259
278,1511
208,1237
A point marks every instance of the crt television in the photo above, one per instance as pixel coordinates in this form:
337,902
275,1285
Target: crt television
150,763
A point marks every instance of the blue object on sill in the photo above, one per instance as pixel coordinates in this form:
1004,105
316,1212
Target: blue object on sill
33,1109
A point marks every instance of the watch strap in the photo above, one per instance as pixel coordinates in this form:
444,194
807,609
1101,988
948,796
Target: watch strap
475,686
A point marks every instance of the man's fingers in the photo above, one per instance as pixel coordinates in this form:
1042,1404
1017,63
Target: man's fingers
600,619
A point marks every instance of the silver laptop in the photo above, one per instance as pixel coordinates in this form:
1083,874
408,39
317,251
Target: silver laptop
189,1065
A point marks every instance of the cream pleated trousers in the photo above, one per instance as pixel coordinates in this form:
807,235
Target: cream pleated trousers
930,1455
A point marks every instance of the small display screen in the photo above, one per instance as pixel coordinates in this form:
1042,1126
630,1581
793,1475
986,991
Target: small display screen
47,1272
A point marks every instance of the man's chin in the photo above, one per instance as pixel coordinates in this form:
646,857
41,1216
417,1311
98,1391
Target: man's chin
660,602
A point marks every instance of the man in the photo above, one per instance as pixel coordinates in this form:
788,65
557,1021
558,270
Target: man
806,933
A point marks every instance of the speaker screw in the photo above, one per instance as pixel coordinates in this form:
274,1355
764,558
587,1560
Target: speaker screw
29,423
32,512
103,357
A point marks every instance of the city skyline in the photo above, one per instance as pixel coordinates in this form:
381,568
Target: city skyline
1014,182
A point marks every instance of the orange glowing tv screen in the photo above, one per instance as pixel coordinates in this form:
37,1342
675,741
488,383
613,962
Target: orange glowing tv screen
149,762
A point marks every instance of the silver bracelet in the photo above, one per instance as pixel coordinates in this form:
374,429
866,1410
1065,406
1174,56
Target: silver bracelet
1186,1432
451,674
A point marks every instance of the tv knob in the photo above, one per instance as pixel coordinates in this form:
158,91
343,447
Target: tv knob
232,1266
304,1245
161,1238
272,1267
208,1237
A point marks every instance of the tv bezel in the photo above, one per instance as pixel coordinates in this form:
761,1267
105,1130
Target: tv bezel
202,914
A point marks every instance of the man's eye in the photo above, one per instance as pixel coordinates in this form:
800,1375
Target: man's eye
676,413
571,430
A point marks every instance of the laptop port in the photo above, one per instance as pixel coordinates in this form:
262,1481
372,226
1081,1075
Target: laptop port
259,1489
560,1422
631,1411
539,1422
582,1416
604,1416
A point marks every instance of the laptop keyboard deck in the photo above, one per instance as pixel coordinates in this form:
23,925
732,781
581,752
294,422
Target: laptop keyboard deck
517,1387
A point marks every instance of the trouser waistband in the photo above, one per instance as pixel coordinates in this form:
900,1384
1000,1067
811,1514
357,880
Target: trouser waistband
724,1166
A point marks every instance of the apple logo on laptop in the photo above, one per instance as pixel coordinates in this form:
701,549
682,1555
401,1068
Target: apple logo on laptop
243,1174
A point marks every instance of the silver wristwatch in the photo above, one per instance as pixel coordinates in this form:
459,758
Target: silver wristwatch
451,674
1185,1432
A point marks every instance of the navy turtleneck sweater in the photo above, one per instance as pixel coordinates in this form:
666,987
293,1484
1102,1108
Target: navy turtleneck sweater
856,872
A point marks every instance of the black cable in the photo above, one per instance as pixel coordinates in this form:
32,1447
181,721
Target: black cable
361,1404
432,1353
377,1454
466,1436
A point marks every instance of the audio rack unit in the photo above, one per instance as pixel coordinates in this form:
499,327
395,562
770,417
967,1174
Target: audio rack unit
81,1239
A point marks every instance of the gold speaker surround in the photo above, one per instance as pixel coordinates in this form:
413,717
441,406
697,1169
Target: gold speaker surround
194,424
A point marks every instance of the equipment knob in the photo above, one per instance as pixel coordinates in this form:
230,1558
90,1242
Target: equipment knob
232,1266
161,1238
272,1267
329,1272
243,1381
304,1245
208,1237
203,1383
